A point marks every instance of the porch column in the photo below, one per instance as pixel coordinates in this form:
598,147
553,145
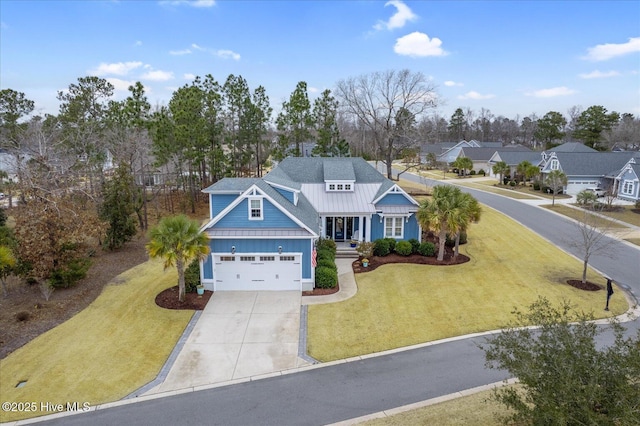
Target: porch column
367,236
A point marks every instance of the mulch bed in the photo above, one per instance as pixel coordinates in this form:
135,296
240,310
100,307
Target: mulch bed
588,286
168,299
416,259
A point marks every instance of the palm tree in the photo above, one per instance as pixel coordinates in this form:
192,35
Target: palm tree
178,240
466,210
464,163
501,168
438,213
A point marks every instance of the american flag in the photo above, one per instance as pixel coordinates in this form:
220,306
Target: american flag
314,254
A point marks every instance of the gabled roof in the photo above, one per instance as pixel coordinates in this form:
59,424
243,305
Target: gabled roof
303,210
485,153
591,163
572,147
513,157
296,171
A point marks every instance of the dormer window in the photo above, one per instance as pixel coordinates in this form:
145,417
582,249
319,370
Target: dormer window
255,209
338,186
555,164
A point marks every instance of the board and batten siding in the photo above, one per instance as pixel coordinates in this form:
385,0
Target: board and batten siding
394,200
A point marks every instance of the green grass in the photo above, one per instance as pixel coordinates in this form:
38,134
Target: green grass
401,305
578,214
108,350
475,409
626,215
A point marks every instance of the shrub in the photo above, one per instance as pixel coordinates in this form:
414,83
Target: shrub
536,186
365,249
326,243
404,248
381,247
392,244
472,173
192,276
327,263
415,244
70,274
427,249
451,239
325,253
512,183
482,172
326,277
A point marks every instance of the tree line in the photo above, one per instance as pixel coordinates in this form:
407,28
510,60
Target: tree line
92,173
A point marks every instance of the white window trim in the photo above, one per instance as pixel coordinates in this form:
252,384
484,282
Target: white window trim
628,187
394,225
251,217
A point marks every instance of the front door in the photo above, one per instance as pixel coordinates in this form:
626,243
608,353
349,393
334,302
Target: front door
339,229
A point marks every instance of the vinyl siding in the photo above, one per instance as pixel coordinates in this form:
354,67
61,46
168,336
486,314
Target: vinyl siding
219,202
411,228
272,217
286,194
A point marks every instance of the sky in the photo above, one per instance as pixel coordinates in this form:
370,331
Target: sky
514,58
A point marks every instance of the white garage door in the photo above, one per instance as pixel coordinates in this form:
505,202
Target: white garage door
573,187
257,272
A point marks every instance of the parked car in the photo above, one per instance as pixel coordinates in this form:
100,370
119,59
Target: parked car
598,191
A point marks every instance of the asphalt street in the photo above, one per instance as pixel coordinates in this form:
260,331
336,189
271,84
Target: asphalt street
350,390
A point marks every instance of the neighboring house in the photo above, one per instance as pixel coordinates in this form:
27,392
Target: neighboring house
451,154
482,156
591,169
512,158
627,182
263,231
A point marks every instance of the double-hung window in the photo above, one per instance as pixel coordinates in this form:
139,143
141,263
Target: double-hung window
255,208
393,227
627,188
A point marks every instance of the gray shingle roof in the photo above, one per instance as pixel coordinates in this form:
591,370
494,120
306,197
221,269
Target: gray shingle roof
514,157
572,147
592,163
317,169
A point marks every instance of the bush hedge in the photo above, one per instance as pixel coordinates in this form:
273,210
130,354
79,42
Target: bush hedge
192,276
326,277
325,243
404,248
392,244
381,247
427,249
415,244
325,253
328,263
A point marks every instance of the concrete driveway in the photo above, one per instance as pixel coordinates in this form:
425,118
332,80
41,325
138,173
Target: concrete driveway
239,334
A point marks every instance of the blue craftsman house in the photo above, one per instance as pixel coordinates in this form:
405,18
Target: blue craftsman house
262,231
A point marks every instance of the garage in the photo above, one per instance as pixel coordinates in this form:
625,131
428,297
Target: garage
262,271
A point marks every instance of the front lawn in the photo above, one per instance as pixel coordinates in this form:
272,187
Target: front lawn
401,305
108,350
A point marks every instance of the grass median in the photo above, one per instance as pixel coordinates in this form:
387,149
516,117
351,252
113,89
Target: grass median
114,346
401,305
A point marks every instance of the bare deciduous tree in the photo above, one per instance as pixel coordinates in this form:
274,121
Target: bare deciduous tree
382,102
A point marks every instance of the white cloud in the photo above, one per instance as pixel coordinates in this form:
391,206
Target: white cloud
602,52
180,52
120,85
196,47
189,76
192,3
118,68
158,75
450,83
228,54
475,96
399,19
313,89
599,74
418,44
137,43
551,93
